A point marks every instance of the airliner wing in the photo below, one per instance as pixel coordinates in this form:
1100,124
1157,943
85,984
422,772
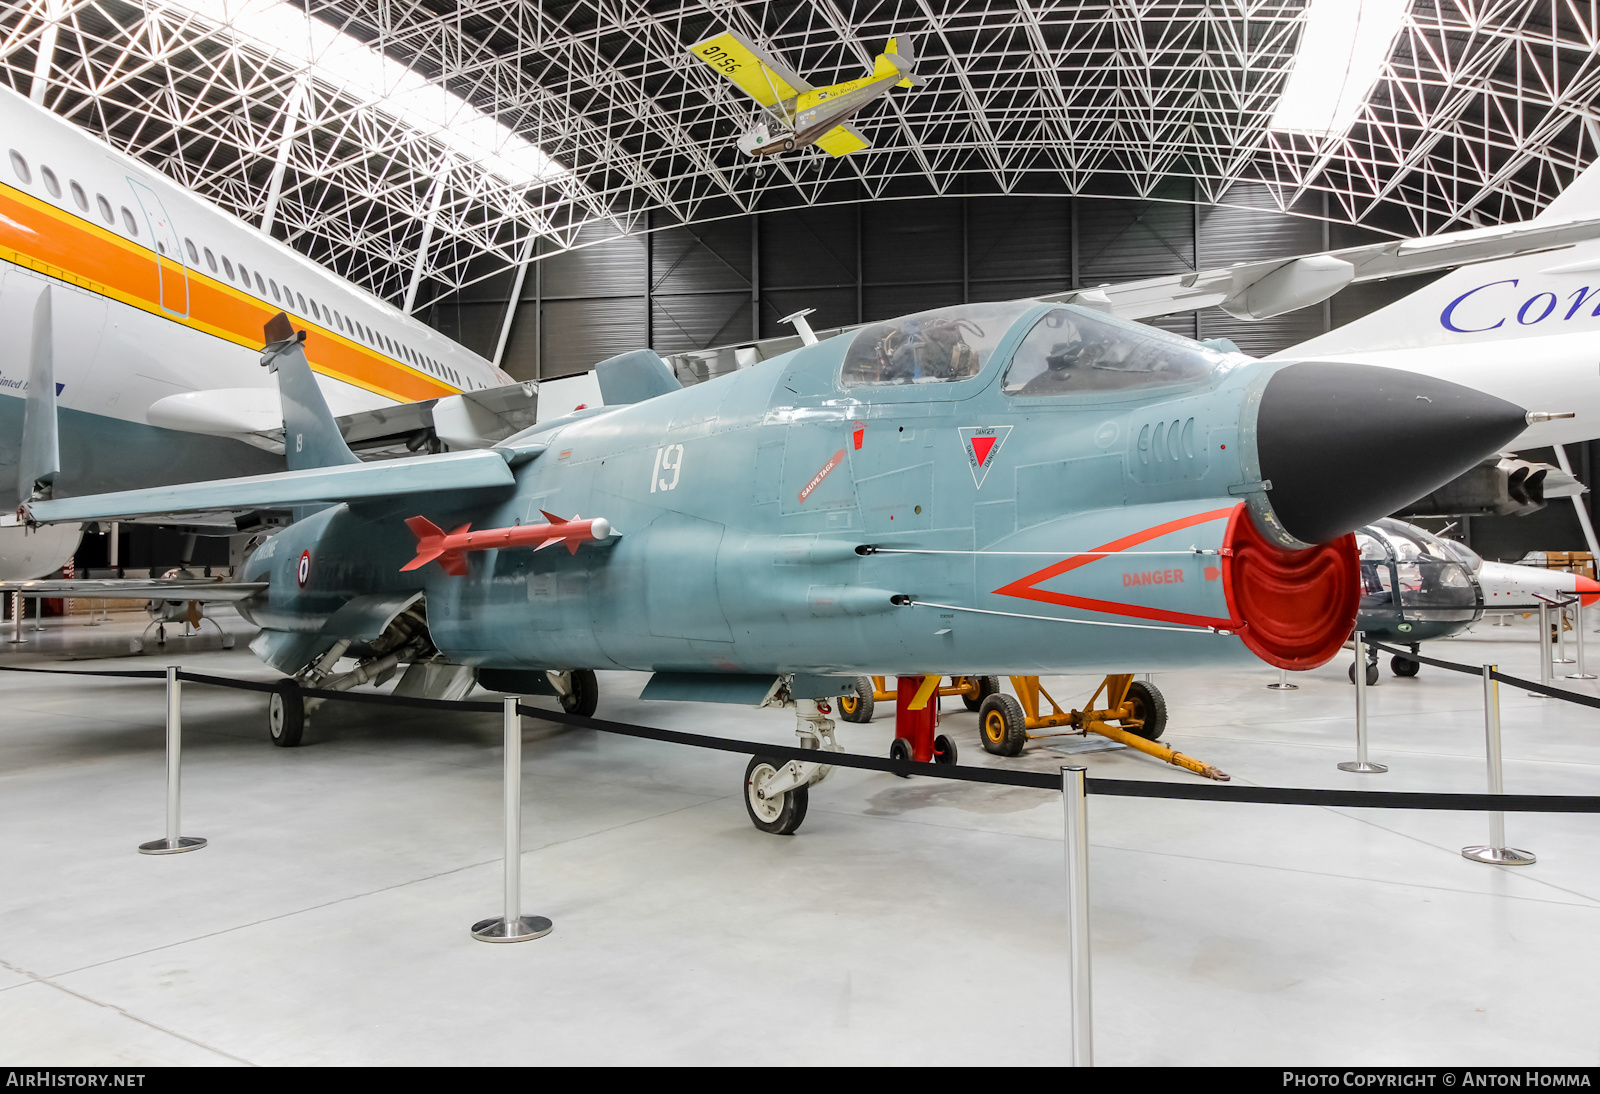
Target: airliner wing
751,69
449,471
130,589
1259,290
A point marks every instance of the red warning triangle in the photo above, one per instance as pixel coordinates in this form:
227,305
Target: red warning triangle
981,447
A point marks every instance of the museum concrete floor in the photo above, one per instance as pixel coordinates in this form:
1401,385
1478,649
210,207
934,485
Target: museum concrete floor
909,921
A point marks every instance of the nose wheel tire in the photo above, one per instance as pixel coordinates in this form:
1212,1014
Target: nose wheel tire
585,694
987,686
858,707
1001,725
1372,674
779,814
286,715
944,750
1404,666
1150,707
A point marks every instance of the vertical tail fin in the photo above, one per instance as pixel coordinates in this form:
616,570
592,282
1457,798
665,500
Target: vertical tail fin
311,438
40,460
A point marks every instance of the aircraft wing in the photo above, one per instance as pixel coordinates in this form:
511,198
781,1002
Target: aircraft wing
1259,290
751,69
449,471
842,140
132,589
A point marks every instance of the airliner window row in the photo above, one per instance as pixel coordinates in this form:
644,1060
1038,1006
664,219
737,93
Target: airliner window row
283,295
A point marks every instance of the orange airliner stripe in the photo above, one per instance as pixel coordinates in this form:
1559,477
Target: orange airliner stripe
1024,588
70,248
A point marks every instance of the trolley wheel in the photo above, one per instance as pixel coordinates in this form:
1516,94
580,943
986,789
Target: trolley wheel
1372,674
781,814
286,715
1002,725
900,749
944,750
1150,707
585,694
1404,666
987,686
858,707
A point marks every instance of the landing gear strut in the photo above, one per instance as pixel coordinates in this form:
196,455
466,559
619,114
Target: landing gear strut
776,792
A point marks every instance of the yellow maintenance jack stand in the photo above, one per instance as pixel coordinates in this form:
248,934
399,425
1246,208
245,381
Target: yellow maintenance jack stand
871,690
1006,723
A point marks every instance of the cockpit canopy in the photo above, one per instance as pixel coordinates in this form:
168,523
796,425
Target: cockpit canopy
1072,350
1069,351
1431,574
931,347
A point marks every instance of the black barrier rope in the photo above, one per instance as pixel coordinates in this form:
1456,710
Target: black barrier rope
1531,685
1038,780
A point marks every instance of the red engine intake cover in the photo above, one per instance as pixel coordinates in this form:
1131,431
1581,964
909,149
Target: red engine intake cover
1298,607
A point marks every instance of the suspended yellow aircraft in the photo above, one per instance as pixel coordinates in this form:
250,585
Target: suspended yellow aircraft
799,113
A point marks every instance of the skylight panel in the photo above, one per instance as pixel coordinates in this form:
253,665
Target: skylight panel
1343,47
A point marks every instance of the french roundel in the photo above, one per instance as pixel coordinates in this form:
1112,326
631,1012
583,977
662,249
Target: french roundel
303,571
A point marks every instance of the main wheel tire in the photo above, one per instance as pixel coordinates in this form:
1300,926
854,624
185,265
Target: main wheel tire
1002,725
858,707
779,815
1150,707
987,686
1372,674
900,749
585,694
788,145
1404,666
944,750
286,715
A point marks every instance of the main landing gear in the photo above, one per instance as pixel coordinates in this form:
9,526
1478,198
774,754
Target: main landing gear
776,792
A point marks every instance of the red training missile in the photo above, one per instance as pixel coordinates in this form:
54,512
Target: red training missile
450,548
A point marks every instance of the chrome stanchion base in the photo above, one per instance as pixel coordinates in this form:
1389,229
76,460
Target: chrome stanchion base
1362,768
1500,856
521,930
167,847
1283,683
1579,676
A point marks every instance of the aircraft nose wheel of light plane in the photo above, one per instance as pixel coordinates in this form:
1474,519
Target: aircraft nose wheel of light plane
1372,673
286,715
1405,666
778,814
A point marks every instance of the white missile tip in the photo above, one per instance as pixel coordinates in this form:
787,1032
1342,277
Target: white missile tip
600,527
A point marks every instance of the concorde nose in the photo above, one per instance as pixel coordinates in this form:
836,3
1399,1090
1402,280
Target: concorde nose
1345,444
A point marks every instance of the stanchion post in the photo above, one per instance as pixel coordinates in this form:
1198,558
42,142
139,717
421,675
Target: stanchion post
513,926
1496,852
1075,799
1561,657
174,842
1577,637
1283,682
1545,671
1360,764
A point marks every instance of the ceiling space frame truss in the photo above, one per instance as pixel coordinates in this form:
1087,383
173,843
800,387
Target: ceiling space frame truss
1485,110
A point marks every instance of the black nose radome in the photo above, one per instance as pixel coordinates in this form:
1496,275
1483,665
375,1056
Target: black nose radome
1346,444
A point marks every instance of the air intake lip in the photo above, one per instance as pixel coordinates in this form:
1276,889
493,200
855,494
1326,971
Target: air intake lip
1345,444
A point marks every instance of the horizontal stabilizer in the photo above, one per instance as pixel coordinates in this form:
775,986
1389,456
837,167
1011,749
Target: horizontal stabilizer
634,377
446,472
132,589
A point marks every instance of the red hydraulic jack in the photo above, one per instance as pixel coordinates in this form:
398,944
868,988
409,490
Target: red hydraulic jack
916,721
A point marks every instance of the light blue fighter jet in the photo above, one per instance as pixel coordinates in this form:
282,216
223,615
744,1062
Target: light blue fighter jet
1002,488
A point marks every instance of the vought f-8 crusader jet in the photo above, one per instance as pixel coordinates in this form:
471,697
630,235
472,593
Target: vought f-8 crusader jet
797,113
1002,488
